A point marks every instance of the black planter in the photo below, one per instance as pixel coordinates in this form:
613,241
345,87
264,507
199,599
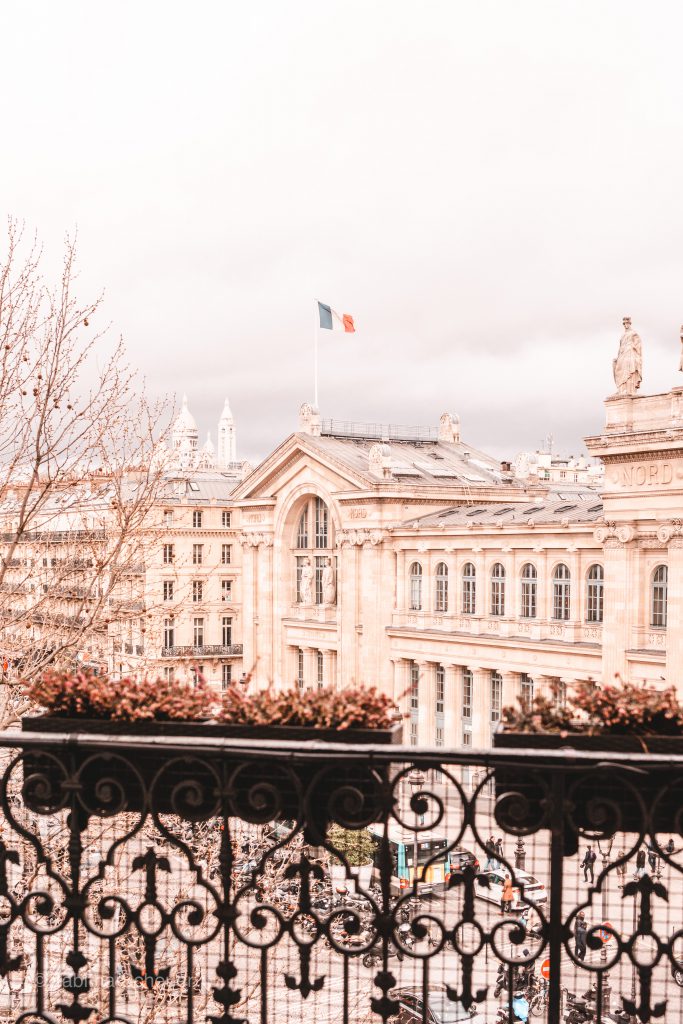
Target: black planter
614,798
189,784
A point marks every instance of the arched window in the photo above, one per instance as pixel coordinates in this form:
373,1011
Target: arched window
498,589
415,587
529,591
594,587
441,588
658,596
469,589
313,533
561,592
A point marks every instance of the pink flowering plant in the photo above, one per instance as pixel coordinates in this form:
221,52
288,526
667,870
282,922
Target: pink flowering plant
355,707
85,695
619,709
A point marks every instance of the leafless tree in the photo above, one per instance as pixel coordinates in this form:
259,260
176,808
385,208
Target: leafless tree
79,473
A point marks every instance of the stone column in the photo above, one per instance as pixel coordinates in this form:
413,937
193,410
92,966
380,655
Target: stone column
619,589
401,580
674,615
329,675
452,712
310,668
481,708
510,690
427,704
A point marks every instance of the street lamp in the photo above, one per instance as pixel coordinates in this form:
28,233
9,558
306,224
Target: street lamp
605,854
416,781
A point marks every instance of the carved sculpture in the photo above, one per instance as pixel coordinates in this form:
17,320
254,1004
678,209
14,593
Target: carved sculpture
329,587
306,586
680,365
628,366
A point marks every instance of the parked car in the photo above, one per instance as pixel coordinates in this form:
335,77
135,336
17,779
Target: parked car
459,859
440,1009
677,972
534,891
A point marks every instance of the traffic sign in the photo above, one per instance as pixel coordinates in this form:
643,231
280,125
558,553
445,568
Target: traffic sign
545,968
603,933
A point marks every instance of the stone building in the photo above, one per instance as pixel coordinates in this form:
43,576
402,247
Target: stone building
408,559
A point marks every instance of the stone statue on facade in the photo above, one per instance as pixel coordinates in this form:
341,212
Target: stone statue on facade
680,365
306,583
329,588
628,366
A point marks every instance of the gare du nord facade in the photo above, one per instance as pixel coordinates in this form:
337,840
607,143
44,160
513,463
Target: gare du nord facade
455,586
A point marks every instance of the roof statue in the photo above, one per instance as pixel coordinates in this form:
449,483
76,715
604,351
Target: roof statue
628,366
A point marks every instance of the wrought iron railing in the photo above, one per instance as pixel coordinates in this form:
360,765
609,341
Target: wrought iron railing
192,877
202,651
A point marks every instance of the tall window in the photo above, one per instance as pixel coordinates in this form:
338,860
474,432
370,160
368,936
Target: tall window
168,554
414,686
197,554
561,592
226,554
467,687
496,695
526,690
440,688
168,517
197,590
226,676
320,523
226,590
529,591
197,519
498,589
594,593
320,662
225,518
198,632
313,531
227,630
169,632
658,596
168,590
300,669
469,589
413,733
415,587
441,587
302,531
169,673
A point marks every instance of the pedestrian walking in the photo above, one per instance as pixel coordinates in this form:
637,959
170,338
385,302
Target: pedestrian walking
640,862
588,864
580,934
499,850
507,896
652,858
621,869
490,855
670,846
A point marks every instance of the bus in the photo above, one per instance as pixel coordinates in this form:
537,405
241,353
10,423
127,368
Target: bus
434,863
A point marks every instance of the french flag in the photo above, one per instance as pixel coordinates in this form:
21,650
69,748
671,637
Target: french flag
333,321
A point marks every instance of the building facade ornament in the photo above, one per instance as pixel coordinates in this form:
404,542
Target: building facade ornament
256,540
628,365
623,533
361,538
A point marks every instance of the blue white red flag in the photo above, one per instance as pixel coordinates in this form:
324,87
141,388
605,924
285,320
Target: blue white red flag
332,321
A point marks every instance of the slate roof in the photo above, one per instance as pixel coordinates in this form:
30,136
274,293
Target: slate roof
576,507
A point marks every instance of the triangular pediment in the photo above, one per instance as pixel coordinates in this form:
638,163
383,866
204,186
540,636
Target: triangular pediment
295,455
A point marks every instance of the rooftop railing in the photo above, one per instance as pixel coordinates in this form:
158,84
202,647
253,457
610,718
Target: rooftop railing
377,431
202,651
193,877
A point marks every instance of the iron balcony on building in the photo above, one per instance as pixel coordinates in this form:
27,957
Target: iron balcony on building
203,651
212,886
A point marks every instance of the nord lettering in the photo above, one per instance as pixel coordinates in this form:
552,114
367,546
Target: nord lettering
651,474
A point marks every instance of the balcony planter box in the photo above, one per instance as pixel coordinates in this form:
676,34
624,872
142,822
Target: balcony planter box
111,785
596,794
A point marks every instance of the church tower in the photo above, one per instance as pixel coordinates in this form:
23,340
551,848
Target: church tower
227,440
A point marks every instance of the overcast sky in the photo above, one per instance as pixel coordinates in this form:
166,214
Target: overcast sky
487,187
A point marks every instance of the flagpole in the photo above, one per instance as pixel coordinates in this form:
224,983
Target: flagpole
315,357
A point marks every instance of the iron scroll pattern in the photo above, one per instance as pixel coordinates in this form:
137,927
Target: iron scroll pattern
195,885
